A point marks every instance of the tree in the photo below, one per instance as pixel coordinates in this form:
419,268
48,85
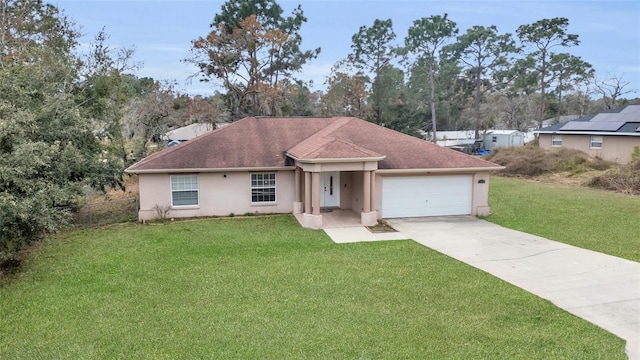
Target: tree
147,117
451,94
568,71
399,106
346,92
48,152
486,58
105,89
267,12
425,39
611,89
26,24
373,52
203,110
252,50
541,38
300,101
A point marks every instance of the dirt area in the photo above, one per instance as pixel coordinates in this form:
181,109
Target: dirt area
381,227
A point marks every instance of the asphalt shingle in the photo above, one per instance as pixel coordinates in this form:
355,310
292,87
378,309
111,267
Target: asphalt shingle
263,142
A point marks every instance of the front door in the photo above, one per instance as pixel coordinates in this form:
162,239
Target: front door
330,189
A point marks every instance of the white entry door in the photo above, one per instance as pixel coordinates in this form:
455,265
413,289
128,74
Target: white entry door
330,189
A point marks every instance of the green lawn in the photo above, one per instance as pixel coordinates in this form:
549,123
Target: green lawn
265,288
592,219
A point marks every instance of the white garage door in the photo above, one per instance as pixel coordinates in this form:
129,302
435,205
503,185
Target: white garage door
409,196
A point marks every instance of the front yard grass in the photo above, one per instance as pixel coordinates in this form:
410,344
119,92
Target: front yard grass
265,288
593,219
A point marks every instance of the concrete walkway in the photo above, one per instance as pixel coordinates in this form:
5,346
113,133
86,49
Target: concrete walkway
602,289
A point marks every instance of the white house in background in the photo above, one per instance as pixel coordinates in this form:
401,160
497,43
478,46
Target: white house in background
185,133
455,138
491,138
494,139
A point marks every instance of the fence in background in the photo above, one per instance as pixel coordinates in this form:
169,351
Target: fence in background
107,212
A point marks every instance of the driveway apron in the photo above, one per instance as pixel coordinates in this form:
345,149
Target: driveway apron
602,289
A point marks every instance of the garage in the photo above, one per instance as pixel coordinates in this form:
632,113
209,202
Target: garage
409,196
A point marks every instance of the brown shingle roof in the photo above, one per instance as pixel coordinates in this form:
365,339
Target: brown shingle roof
264,142
324,145
330,148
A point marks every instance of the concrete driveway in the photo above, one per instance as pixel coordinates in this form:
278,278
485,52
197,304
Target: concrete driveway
602,289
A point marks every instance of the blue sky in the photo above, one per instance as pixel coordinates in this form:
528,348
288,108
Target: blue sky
161,30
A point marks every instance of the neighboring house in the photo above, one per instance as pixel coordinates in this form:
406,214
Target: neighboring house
494,139
185,133
610,135
552,121
454,138
306,165
464,140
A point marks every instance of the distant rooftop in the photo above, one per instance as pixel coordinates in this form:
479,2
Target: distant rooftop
620,121
189,132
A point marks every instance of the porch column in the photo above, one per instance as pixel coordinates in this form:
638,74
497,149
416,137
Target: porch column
311,217
316,193
372,194
307,192
297,185
368,217
297,201
366,196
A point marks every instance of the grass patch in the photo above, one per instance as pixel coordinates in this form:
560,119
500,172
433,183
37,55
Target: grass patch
263,287
588,218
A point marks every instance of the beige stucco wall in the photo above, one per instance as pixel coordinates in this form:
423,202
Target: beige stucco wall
614,148
218,195
357,188
346,189
480,191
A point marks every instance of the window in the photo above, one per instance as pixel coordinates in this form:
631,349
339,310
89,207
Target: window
556,140
263,188
494,139
184,190
596,142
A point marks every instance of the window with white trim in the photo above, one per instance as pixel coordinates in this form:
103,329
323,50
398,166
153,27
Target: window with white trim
184,190
263,188
556,140
596,142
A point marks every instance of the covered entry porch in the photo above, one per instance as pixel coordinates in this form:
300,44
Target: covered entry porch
335,194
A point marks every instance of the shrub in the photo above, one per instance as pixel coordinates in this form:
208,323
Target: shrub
624,179
533,161
162,211
25,220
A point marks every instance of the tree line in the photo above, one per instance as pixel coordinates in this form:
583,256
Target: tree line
73,119
437,77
